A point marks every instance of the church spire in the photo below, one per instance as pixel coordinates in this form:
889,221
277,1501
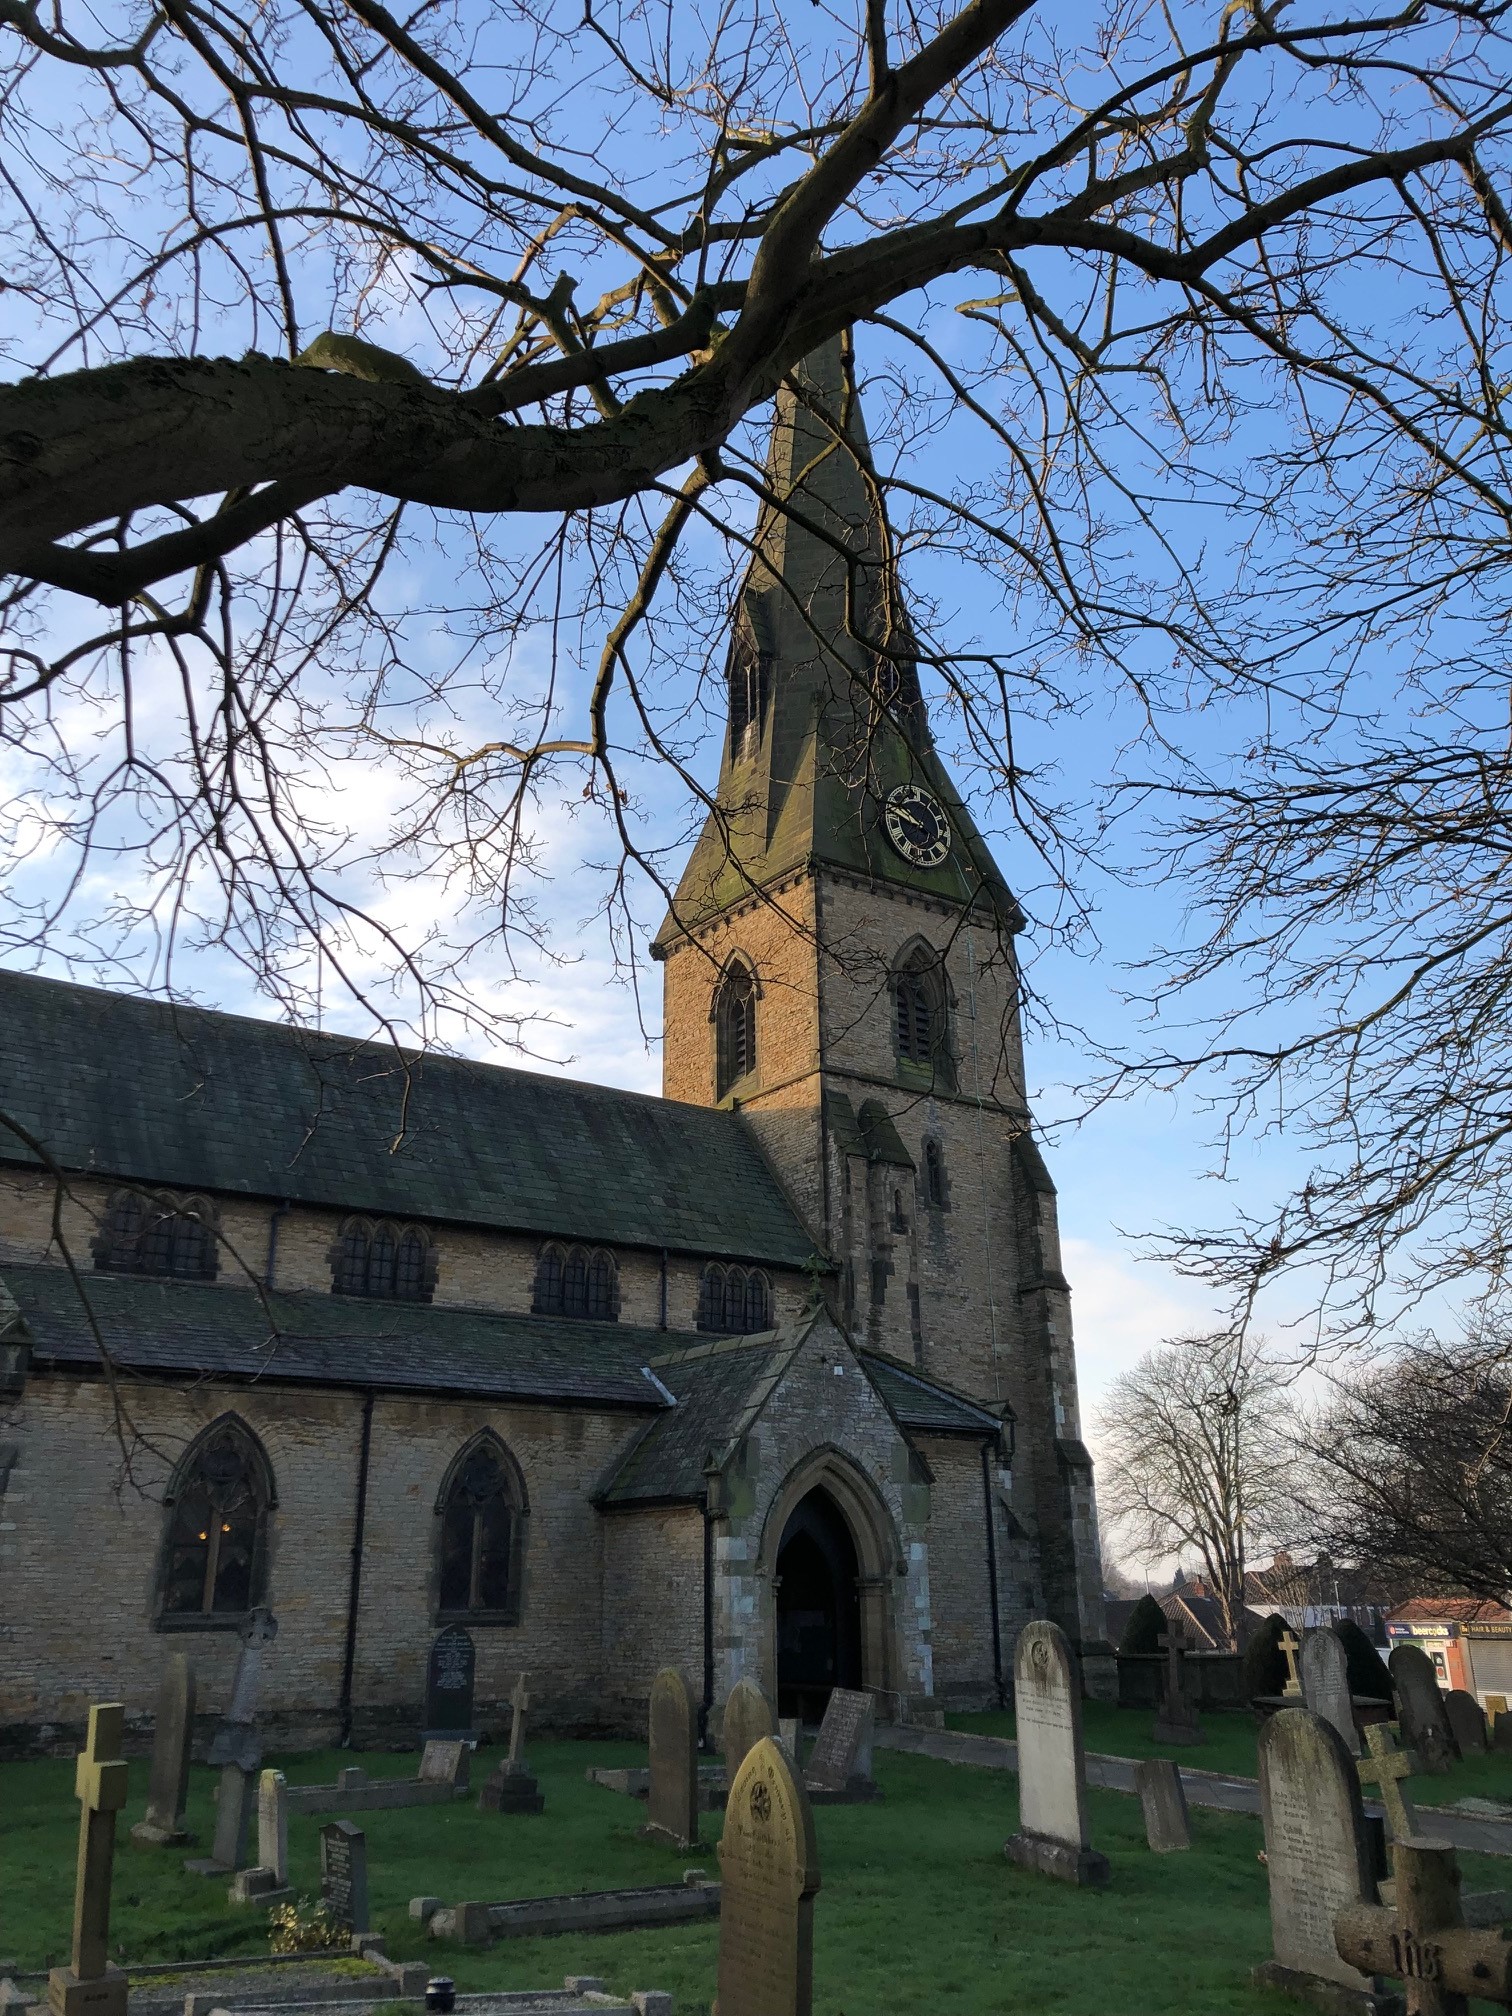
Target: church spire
825,714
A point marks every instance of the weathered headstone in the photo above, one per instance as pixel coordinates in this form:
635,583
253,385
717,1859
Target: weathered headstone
1467,1722
1053,1837
168,1786
769,1870
1501,1731
343,1874
237,1749
509,1787
273,1824
1420,1708
1325,1684
839,1768
790,1736
445,1763
1163,1797
747,1718
672,1804
1387,1768
449,1683
90,1985
1177,1719
1317,1860
1289,1649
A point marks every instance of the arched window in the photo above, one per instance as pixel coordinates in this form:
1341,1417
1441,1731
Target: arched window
899,1215
734,1027
396,1263
218,1505
934,1176
577,1281
734,1301
749,676
158,1233
483,1510
920,1033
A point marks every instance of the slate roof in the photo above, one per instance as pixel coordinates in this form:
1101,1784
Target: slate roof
720,1387
119,1086
197,1330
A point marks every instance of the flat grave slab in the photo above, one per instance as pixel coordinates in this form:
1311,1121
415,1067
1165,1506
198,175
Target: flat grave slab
579,1911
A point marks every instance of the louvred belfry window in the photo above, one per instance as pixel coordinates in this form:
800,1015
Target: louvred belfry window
749,678
734,1027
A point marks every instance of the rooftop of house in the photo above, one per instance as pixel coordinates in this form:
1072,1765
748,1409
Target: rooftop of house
1449,1610
153,1092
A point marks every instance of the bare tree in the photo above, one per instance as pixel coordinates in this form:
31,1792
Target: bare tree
1114,279
1411,1468
1195,1459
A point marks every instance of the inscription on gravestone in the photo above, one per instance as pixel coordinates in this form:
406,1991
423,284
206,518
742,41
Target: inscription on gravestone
1317,1860
769,1868
449,1683
1325,1684
343,1874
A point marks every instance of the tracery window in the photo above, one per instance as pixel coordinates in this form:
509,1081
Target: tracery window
734,1026
749,675
218,1505
580,1281
482,1507
734,1301
396,1263
157,1233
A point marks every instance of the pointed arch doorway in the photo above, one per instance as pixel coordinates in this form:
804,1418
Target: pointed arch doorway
818,1607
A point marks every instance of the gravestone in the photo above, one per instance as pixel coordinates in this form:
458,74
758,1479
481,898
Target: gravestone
445,1763
839,1768
672,1803
343,1874
90,1985
1420,1708
273,1825
790,1736
1501,1732
747,1718
1317,1860
168,1786
1388,1767
1325,1684
237,1749
1163,1798
509,1787
1467,1722
769,1871
1053,1835
449,1683
1176,1720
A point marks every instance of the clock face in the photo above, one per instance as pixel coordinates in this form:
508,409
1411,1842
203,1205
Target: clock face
916,825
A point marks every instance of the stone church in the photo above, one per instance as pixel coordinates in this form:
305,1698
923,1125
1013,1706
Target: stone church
772,1375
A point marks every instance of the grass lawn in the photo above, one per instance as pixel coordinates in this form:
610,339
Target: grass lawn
918,1909
1230,1749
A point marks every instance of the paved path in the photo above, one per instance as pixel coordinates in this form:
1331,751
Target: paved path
1203,1788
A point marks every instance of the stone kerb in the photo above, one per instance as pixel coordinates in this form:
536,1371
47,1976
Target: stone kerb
769,1862
1053,1838
1317,1861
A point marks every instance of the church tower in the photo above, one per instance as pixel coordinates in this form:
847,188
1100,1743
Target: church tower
840,967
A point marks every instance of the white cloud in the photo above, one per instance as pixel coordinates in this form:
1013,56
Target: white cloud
1122,1308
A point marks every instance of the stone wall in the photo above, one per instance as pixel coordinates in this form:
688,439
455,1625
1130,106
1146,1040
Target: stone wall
653,1607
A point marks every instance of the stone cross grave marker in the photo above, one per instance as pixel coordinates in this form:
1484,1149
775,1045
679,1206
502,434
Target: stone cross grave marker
1317,1858
1467,1722
1388,1768
237,1749
1163,1798
1325,1684
510,1788
747,1718
445,1763
449,1683
769,1871
90,1985
1176,1720
1422,1939
1288,1644
1420,1708
343,1874
168,1786
840,1764
1053,1835
672,1807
